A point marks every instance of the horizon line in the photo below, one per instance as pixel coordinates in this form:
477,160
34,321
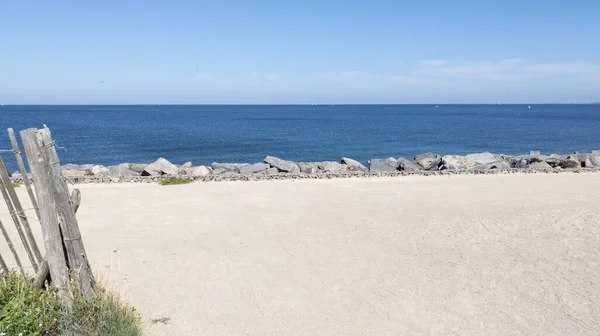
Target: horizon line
291,104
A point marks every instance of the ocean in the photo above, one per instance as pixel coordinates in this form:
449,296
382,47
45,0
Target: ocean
109,135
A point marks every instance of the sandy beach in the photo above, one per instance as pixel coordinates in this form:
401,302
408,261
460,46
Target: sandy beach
441,255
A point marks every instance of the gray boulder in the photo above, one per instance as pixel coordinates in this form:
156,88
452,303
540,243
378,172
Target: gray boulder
272,171
230,167
70,166
429,161
518,162
524,161
136,167
282,165
571,161
593,161
254,168
457,162
493,165
582,156
353,165
539,165
383,165
408,165
184,167
333,167
197,171
74,170
482,158
219,171
553,160
310,167
121,171
100,170
76,173
596,152
160,167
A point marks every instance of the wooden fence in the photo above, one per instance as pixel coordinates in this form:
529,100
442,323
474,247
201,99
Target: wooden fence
65,256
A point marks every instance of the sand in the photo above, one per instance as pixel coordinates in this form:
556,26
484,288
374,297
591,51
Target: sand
440,255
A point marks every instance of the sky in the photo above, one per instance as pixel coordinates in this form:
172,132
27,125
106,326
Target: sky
299,52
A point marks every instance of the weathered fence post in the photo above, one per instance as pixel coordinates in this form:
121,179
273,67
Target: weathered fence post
76,255
42,274
18,215
3,266
15,219
22,170
11,246
55,255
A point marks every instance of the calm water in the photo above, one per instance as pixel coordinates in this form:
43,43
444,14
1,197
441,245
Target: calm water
202,134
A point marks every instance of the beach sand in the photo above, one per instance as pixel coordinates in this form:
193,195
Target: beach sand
440,255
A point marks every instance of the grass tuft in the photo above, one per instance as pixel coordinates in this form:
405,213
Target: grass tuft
16,185
175,180
29,311
162,320
102,315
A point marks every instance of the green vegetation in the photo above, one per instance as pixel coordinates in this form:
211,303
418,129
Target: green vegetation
29,311
175,180
16,185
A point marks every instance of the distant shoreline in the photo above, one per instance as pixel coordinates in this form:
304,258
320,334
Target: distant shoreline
324,176
273,168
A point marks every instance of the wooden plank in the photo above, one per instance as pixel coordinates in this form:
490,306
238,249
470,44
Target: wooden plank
41,275
3,266
72,240
13,214
11,246
55,254
20,211
19,215
44,271
75,199
22,170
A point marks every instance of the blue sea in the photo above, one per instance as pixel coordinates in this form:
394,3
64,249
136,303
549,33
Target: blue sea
202,134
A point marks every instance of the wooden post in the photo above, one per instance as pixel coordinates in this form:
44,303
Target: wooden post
55,255
75,199
11,246
15,219
3,266
73,243
21,164
31,247
44,271
41,276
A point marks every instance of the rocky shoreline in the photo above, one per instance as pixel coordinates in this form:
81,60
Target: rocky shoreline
273,168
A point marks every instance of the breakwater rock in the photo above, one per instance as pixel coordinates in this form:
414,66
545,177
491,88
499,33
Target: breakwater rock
277,168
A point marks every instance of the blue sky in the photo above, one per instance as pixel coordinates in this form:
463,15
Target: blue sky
127,52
